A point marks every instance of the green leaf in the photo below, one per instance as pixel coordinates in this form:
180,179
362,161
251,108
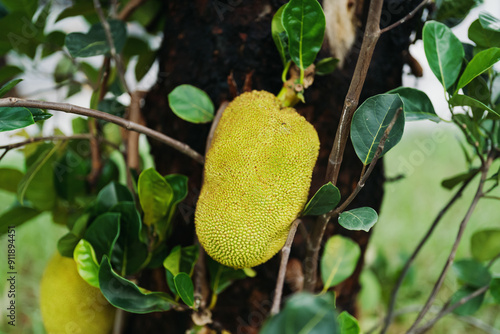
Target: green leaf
180,260
70,173
323,201
13,118
443,51
127,296
452,12
178,183
37,185
478,65
16,216
86,262
111,106
155,195
130,251
485,244
471,306
416,104
191,104
67,243
472,272
9,179
94,42
495,289
279,35
111,195
484,38
369,123
304,313
185,288
326,66
8,72
360,219
144,63
221,276
339,260
103,233
453,181
39,114
8,86
489,22
464,100
304,22
370,295
348,324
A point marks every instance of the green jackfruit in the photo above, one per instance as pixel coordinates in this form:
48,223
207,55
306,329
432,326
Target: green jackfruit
256,180
69,304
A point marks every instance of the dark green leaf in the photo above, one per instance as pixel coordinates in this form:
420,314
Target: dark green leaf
453,181
472,272
70,173
279,35
305,313
127,296
360,219
155,195
485,244
339,260
9,179
3,11
86,262
369,123
8,86
444,52
489,22
103,233
452,12
13,118
348,324
495,289
111,195
15,216
67,243
185,288
144,63
39,114
111,106
65,69
37,185
484,38
478,65
130,251
464,100
416,104
323,201
191,104
180,260
471,306
77,8
479,90
54,41
94,42
304,22
7,72
326,66
221,276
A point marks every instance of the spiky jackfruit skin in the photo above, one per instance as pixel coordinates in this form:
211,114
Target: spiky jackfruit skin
69,304
256,180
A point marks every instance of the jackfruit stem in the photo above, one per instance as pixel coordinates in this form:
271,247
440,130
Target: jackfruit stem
288,97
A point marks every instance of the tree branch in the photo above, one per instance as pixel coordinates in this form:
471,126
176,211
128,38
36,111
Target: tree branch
479,192
407,17
129,8
406,268
285,254
70,108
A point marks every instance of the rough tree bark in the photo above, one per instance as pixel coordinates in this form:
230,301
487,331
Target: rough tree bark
205,42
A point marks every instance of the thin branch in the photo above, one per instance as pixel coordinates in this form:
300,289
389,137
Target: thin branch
48,138
109,38
407,17
70,108
285,254
484,173
406,268
134,115
129,8
448,309
371,35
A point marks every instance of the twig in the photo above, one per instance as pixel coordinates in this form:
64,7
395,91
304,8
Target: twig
406,268
48,138
448,309
371,35
129,8
112,49
407,17
215,122
70,108
484,173
285,254
133,137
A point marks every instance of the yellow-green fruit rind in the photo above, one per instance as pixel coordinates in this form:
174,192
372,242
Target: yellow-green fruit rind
69,304
256,180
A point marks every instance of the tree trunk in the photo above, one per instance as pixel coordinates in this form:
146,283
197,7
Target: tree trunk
205,42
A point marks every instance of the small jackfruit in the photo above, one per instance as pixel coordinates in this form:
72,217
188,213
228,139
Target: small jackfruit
256,180
69,304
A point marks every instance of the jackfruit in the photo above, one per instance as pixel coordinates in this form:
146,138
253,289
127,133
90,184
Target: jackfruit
256,180
69,304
